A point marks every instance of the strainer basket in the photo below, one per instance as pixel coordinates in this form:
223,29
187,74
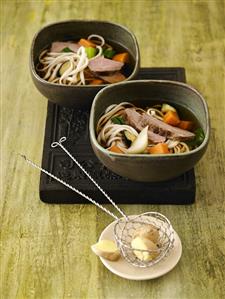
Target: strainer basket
124,231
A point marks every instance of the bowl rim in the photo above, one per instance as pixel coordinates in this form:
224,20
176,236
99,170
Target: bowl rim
138,156
35,74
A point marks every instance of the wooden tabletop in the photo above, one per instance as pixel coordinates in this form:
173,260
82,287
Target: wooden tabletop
45,249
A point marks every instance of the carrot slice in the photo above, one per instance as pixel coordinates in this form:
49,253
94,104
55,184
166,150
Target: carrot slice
160,148
96,82
121,57
186,125
86,43
171,118
115,149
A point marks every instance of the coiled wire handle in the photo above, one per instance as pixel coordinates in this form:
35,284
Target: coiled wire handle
59,143
70,187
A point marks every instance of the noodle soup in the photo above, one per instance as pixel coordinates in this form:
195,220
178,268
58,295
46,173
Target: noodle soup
70,84
159,128
87,61
146,148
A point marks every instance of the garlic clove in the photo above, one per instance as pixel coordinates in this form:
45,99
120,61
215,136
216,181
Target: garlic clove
141,243
149,232
106,249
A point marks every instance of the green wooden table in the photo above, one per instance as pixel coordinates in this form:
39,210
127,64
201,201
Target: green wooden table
45,249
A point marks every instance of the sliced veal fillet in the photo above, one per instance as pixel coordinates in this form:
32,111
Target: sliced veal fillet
156,126
59,46
134,119
102,64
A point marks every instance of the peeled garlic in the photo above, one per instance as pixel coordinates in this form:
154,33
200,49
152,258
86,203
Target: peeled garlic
144,244
140,143
149,232
106,249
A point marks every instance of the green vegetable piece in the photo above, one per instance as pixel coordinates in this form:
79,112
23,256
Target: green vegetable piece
64,68
166,107
199,138
66,50
129,136
109,53
91,52
199,135
118,120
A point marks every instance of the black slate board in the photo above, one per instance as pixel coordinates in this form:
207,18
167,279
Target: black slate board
73,124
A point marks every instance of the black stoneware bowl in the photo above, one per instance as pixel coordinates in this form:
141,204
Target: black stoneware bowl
80,96
145,167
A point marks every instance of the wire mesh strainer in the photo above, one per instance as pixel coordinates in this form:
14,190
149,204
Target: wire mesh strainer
127,226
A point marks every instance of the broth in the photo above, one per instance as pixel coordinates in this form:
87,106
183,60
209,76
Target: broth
125,71
154,127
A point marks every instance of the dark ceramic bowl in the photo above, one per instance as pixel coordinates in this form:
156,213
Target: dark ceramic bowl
80,96
145,167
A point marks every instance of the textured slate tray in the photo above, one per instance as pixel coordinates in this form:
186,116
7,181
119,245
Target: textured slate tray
73,124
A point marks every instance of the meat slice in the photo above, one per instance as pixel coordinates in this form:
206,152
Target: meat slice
59,46
157,126
134,119
102,64
112,78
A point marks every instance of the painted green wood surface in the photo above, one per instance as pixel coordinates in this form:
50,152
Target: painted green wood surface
45,249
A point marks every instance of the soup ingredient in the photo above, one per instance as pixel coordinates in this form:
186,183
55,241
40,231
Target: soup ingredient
159,127
166,107
155,112
134,119
66,50
113,77
65,66
160,148
140,143
199,138
97,39
57,47
122,123
102,64
118,120
115,149
86,43
181,147
122,57
96,82
52,62
148,231
131,137
109,53
91,52
186,125
81,63
171,118
106,249
150,249
155,138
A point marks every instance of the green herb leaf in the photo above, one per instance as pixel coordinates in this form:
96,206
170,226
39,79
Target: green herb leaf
199,138
66,50
118,120
109,53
